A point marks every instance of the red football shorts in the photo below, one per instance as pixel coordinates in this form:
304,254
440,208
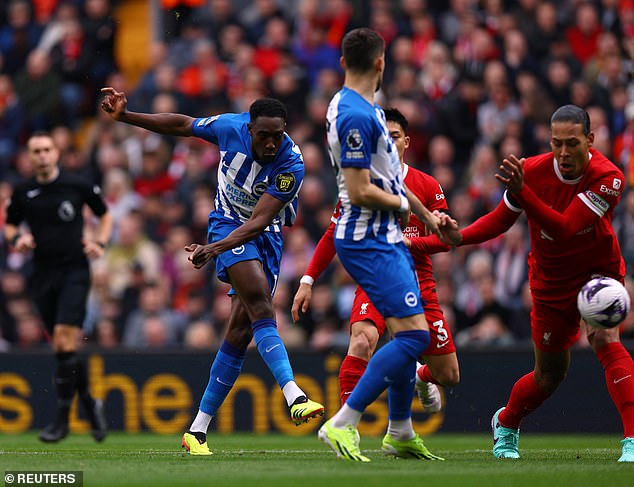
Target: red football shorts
441,342
555,323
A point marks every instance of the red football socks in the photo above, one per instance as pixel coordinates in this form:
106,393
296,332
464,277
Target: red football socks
424,374
526,396
619,376
351,370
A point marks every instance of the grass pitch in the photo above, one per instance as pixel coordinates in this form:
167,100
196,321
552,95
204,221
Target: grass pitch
279,461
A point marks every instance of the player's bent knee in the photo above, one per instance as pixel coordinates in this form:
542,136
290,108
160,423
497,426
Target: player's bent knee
360,348
258,309
600,338
448,378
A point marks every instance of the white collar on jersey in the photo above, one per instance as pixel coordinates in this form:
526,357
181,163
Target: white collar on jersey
405,169
561,178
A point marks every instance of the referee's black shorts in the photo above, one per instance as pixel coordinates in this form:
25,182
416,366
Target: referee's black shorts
60,294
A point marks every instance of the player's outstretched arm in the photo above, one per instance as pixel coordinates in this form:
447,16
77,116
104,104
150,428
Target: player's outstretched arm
490,225
115,104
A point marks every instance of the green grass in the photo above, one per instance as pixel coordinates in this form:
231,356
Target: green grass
278,461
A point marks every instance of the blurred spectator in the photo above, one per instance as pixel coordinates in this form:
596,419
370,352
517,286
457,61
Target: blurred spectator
101,31
490,331
221,14
624,229
520,321
176,16
584,34
469,299
510,268
495,115
256,16
153,323
119,196
623,148
106,334
130,248
39,89
200,335
11,120
13,286
438,73
30,332
458,114
547,29
18,37
314,52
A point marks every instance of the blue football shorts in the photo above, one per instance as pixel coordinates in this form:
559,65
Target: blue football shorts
266,248
386,272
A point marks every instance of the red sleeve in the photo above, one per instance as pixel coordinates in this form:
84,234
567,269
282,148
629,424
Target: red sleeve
429,244
576,217
324,253
490,225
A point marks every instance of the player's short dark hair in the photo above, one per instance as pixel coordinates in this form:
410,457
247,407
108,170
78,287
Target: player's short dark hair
572,114
395,115
360,47
267,107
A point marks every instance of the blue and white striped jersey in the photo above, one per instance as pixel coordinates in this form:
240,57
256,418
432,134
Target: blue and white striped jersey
241,179
358,137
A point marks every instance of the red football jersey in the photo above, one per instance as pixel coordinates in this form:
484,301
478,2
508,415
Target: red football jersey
430,193
428,190
564,256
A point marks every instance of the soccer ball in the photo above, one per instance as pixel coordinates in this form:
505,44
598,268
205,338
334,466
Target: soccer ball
603,302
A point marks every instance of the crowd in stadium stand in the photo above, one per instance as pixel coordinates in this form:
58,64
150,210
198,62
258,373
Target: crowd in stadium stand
477,80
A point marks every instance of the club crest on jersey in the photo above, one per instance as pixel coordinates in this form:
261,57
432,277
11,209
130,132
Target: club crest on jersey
260,188
616,183
66,211
354,139
285,182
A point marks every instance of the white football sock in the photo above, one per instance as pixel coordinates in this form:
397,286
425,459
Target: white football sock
345,416
291,392
201,422
401,430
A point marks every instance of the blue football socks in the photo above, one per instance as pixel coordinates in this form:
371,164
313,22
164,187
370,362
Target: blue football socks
272,350
225,370
393,366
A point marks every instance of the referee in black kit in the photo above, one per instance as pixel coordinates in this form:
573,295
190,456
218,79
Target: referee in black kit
51,205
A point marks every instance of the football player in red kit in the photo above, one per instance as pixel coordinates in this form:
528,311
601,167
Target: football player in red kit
569,196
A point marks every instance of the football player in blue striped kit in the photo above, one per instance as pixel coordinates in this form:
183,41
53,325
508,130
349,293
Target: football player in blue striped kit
369,242
259,177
